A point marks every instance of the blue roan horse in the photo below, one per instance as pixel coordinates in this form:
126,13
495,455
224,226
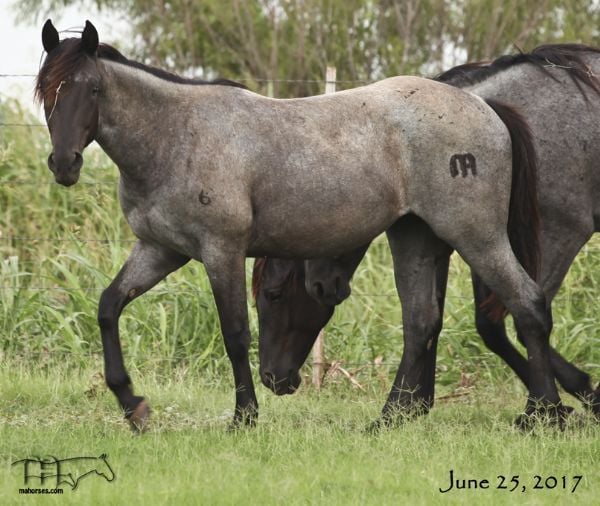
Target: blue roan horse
215,173
557,88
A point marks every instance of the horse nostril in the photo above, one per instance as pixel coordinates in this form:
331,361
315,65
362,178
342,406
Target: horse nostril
77,161
318,288
51,164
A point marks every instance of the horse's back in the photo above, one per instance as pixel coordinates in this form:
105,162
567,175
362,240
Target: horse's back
396,146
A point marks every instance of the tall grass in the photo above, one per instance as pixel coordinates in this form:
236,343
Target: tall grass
60,247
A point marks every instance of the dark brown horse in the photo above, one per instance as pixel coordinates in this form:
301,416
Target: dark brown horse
557,89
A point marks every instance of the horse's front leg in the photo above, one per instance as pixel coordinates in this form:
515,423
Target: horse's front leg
227,275
147,265
421,272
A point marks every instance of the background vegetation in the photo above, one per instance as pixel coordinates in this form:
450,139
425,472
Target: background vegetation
292,41
60,247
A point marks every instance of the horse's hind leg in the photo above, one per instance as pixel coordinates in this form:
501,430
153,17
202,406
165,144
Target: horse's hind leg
572,379
421,271
561,243
495,263
147,265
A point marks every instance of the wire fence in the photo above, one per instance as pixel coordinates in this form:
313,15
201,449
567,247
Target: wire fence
114,181
259,80
184,358
162,291
21,182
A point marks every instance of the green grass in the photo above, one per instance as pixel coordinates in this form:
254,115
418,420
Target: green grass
310,448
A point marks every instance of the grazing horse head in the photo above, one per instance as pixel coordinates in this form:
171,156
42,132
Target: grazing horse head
68,86
290,321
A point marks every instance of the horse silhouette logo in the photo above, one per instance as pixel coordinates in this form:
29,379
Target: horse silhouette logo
69,471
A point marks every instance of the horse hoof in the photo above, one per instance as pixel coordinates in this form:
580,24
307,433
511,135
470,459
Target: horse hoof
237,425
389,421
242,419
554,416
140,417
375,427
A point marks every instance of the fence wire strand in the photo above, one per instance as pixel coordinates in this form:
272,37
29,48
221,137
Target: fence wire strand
188,358
166,290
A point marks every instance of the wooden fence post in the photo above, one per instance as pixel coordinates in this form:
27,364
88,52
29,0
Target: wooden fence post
318,361
318,354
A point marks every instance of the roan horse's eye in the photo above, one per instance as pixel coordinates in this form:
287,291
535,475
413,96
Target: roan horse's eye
273,295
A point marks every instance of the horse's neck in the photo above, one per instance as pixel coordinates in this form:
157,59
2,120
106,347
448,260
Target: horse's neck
130,110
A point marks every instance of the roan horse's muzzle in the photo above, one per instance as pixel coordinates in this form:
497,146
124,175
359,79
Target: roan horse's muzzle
65,166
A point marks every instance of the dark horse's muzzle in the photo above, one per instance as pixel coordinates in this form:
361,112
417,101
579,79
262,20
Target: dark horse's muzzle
280,384
329,292
65,166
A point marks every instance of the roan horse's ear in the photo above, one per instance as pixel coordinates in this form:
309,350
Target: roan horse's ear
49,36
89,38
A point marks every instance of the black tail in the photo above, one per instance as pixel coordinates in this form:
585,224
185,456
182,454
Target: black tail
523,215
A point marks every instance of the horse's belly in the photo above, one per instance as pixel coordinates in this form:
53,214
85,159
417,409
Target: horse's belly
310,235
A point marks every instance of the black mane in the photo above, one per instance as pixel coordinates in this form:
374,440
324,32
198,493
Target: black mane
65,59
567,56
108,52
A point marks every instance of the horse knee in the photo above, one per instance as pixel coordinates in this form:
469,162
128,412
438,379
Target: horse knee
431,327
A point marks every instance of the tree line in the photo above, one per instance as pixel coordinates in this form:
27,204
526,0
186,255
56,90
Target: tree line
290,42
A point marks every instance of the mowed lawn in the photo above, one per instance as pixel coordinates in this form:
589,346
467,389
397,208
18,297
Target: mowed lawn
310,448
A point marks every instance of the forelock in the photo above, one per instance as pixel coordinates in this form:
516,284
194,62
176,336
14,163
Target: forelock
59,64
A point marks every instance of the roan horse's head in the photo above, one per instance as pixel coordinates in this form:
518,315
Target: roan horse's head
68,85
289,320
